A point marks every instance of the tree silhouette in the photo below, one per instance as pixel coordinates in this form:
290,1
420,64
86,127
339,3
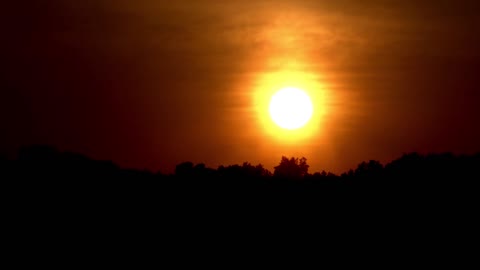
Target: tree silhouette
292,168
245,170
184,169
372,169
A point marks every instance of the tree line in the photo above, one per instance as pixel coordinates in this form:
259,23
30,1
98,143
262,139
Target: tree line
44,162
41,176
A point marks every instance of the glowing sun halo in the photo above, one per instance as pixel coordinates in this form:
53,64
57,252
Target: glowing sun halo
290,108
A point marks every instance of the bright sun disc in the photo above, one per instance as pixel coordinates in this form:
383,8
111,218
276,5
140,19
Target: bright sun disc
290,108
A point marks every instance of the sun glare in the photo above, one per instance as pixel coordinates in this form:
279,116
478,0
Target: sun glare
291,105
290,108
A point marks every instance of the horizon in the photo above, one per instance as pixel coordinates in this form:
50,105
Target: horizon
42,148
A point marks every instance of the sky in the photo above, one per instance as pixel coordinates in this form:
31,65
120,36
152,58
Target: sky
150,84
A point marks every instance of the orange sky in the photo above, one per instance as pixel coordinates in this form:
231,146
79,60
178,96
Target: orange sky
150,84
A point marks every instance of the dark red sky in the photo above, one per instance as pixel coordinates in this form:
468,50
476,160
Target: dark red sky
149,84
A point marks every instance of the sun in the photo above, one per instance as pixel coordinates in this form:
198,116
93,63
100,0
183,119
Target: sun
291,108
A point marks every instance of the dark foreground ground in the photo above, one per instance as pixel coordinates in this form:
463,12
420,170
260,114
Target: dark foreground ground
64,199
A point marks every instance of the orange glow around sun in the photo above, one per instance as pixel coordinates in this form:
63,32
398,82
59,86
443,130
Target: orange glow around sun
279,120
300,117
